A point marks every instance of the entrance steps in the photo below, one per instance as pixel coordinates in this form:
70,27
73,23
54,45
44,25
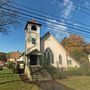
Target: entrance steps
39,73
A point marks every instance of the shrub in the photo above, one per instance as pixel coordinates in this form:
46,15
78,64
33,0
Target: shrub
10,65
85,69
73,71
60,75
54,72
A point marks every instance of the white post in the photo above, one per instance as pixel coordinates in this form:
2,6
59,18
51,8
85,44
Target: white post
89,57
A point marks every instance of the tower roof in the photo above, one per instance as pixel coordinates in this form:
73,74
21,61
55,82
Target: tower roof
33,21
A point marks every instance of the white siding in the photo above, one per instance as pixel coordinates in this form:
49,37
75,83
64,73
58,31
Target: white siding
73,62
57,49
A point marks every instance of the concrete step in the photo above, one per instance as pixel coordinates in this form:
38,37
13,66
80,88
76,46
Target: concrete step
39,73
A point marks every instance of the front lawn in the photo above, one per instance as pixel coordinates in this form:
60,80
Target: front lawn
10,81
77,82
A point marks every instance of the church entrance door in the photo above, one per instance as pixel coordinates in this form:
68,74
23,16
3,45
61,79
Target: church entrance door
33,59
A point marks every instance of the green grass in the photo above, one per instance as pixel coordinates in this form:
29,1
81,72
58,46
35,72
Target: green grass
10,81
77,82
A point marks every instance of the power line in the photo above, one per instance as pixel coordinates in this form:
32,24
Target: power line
30,16
45,19
60,27
1,4
50,14
53,27
51,18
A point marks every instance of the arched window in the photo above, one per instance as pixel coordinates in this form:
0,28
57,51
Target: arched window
33,41
52,61
44,55
48,54
48,57
33,27
60,59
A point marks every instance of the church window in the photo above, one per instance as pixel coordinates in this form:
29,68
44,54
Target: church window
69,62
33,41
60,59
44,55
33,27
48,54
52,61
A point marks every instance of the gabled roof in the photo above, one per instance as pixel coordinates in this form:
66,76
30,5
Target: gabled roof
15,55
36,51
49,34
21,54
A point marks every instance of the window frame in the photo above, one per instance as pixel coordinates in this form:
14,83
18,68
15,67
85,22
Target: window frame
60,59
69,62
48,53
33,40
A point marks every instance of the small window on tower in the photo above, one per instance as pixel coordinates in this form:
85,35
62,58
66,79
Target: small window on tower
33,41
33,27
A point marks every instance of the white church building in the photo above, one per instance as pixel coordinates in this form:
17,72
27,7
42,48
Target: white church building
47,47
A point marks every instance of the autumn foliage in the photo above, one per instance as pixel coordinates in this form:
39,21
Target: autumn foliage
77,47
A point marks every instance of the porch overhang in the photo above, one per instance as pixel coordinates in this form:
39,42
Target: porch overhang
34,52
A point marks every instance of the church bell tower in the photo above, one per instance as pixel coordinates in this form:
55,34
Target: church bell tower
32,37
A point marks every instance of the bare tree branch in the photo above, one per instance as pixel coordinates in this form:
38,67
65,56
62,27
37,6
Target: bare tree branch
7,17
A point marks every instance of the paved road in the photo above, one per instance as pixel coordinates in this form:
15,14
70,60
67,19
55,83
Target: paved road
48,85
52,85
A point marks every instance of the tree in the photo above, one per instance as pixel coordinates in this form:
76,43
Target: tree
8,55
72,42
87,48
76,46
3,56
7,17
